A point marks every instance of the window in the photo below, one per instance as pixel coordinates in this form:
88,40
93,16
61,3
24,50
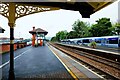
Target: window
86,41
113,41
98,41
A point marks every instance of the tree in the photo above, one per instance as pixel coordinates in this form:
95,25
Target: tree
116,28
53,39
80,28
102,28
71,35
61,35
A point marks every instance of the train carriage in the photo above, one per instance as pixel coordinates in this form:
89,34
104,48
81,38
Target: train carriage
107,41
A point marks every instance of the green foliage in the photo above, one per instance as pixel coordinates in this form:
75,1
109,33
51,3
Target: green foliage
53,39
60,36
116,28
71,35
80,29
101,28
93,44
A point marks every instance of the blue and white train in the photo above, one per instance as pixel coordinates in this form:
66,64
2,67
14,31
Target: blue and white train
108,41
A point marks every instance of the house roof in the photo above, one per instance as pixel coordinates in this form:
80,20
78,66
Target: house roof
2,30
39,31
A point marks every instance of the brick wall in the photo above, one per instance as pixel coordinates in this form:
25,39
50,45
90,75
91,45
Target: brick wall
6,47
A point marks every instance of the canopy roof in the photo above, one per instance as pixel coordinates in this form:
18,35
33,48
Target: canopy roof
85,7
38,31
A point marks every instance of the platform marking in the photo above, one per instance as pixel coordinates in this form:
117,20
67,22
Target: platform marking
97,50
14,59
71,73
86,67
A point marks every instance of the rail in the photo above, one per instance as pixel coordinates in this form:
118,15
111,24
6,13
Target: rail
90,57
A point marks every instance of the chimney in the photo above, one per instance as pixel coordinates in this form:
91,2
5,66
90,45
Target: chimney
33,28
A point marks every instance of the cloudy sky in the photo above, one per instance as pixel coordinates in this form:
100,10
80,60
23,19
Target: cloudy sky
54,21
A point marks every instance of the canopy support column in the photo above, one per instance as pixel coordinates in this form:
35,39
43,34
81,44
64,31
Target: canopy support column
11,23
11,70
33,39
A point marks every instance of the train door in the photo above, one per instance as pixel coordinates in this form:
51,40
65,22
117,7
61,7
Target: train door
103,41
119,42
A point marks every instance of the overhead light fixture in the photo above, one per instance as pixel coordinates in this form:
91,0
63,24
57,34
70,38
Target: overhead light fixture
68,0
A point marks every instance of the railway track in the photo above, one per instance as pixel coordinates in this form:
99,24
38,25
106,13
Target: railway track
108,68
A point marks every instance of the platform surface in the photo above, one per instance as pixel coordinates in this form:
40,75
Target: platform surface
35,62
45,62
78,69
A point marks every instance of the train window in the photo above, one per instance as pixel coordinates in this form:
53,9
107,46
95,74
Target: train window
79,41
119,44
86,41
98,41
113,41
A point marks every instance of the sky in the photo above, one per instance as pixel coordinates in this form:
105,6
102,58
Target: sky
54,21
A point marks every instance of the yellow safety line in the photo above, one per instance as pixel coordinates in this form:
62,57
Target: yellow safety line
71,73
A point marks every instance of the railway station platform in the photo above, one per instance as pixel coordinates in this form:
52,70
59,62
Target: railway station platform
98,48
45,62
110,49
